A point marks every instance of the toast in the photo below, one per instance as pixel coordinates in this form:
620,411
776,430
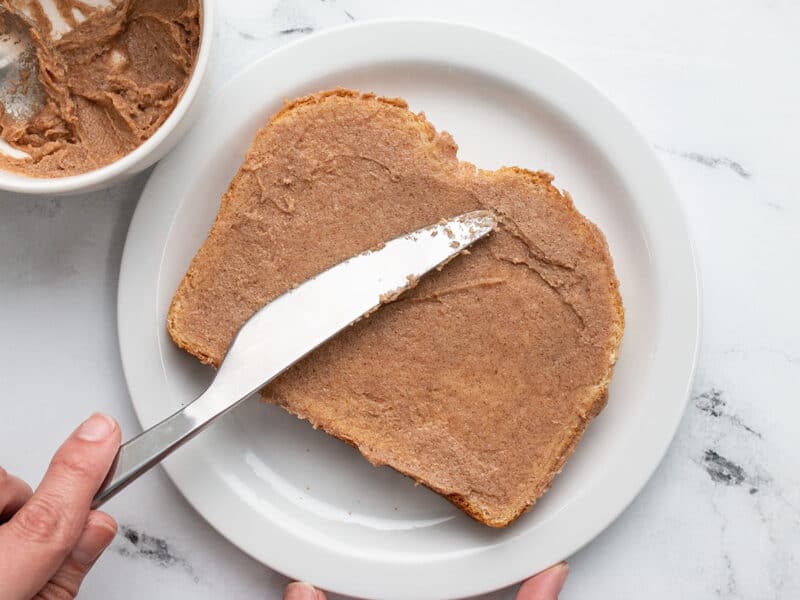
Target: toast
477,383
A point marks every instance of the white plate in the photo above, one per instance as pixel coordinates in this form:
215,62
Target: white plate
309,505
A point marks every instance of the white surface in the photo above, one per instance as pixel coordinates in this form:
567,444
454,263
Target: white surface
154,148
311,507
707,84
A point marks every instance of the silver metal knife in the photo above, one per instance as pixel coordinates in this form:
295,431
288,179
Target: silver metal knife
291,326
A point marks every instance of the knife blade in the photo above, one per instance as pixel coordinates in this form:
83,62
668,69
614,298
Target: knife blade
291,326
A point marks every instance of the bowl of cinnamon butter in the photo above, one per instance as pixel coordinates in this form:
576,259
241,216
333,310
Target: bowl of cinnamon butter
91,93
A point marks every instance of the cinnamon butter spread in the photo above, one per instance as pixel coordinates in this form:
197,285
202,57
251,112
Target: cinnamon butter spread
480,380
111,75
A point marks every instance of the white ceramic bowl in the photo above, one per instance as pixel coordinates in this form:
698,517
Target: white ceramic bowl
153,149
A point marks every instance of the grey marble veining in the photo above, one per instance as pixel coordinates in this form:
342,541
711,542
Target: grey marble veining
708,160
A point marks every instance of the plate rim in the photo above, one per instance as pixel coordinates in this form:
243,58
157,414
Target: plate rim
329,576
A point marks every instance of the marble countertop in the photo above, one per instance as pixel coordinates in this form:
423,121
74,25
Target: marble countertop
714,88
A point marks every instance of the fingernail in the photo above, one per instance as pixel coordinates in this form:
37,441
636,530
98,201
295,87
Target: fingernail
95,428
97,535
299,590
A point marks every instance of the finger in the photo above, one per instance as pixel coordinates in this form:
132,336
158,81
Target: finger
546,585
13,494
45,529
298,590
97,535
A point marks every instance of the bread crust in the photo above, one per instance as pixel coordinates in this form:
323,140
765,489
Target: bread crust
568,254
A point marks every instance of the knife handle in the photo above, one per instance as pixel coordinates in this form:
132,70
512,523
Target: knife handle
150,447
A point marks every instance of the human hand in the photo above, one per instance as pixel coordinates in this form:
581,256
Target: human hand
49,539
544,586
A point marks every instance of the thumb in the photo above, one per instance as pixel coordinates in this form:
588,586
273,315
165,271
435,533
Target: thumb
546,585
298,590
45,530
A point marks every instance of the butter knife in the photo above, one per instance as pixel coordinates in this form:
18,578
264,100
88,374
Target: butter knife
291,326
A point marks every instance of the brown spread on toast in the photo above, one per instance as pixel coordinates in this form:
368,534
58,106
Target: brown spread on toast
479,381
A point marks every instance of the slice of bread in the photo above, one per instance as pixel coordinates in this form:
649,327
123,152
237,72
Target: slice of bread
480,381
